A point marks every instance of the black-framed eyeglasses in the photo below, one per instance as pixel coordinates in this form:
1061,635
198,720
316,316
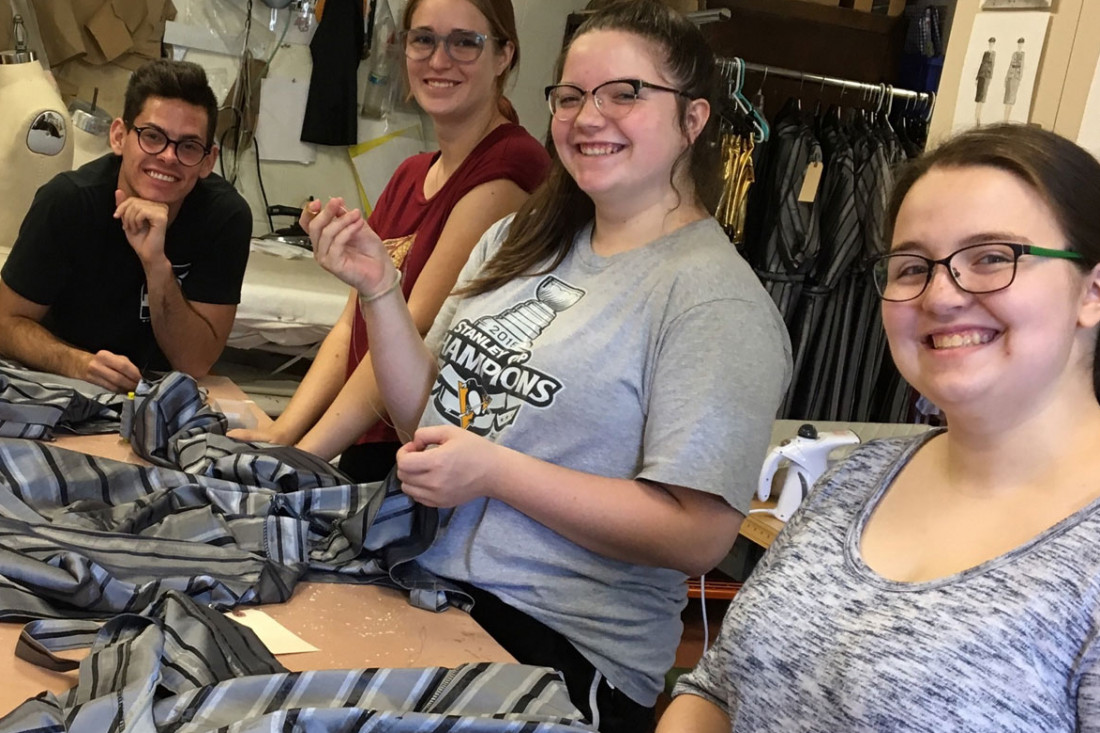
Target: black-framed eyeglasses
977,269
614,99
463,46
153,141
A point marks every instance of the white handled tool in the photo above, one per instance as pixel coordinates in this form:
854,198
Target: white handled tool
806,457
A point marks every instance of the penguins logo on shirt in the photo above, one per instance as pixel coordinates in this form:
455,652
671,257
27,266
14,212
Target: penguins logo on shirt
484,378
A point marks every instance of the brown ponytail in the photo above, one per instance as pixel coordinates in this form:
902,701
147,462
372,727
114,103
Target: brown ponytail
504,106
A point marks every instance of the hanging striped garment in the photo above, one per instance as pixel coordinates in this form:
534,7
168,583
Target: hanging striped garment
185,668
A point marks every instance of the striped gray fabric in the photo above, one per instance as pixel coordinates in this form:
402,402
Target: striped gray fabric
185,668
788,238
37,405
817,330
87,537
810,257
165,416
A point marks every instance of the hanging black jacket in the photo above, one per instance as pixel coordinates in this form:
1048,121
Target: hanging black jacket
332,108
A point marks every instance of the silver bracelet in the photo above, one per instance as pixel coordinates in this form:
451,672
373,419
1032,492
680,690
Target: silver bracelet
386,291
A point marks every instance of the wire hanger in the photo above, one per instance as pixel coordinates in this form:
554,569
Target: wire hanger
759,123
735,82
931,106
759,102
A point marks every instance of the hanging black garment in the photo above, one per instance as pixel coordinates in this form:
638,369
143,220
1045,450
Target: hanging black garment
861,306
331,109
785,235
886,396
875,362
814,337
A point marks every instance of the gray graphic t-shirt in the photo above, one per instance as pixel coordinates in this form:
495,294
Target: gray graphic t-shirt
663,363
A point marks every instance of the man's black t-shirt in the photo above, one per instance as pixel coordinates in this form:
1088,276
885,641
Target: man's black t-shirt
72,255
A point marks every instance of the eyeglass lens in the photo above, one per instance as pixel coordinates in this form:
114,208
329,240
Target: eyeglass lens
981,268
614,99
153,142
462,46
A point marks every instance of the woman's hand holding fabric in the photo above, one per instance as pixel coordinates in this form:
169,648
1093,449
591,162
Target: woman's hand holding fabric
445,466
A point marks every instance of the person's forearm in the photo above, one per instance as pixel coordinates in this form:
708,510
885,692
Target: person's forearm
403,366
355,410
187,339
693,714
32,345
318,388
690,534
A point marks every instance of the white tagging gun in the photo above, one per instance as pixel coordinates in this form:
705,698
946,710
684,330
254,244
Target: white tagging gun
806,457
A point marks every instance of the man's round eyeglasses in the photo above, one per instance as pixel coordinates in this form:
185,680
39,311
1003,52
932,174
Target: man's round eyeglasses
614,99
464,47
977,269
153,141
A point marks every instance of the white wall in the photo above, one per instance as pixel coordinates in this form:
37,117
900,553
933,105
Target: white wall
541,25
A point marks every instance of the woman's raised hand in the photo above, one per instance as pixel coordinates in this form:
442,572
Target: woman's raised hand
344,245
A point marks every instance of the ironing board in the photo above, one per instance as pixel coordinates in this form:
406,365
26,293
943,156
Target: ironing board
288,302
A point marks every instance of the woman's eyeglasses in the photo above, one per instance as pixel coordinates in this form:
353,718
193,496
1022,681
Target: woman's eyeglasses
462,46
614,99
977,269
153,141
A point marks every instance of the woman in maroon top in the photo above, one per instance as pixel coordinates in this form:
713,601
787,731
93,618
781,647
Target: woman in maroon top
433,210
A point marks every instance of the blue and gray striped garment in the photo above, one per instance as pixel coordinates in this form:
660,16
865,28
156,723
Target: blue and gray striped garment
37,405
159,551
817,641
88,537
184,668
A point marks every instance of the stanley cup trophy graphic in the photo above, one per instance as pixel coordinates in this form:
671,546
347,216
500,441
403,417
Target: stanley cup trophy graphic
520,325
468,384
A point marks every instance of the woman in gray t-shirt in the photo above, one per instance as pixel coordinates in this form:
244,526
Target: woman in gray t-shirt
949,582
594,402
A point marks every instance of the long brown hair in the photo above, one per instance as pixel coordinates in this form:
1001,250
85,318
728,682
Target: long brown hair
1065,175
545,226
502,27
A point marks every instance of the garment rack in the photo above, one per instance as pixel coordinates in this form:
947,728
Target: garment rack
881,90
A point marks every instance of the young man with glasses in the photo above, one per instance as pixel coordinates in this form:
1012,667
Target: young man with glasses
134,261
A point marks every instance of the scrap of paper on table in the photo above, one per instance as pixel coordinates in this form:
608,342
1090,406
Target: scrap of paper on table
277,638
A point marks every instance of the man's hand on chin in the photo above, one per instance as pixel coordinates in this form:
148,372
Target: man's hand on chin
145,224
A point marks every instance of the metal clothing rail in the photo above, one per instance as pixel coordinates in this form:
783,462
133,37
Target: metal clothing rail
882,91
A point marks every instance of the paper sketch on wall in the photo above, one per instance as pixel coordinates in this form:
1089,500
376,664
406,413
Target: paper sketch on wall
1013,77
1000,68
985,78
